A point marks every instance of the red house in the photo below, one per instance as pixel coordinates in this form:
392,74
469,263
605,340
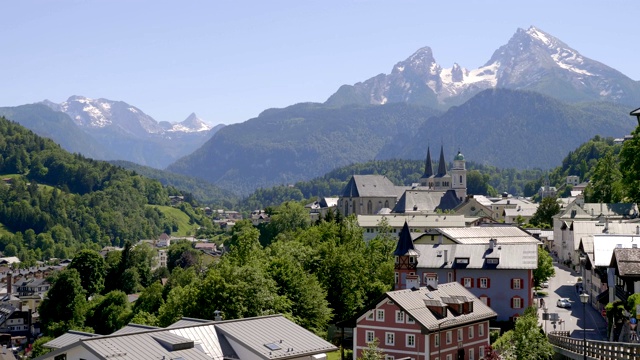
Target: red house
442,323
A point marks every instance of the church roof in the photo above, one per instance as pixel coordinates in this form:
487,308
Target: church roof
417,200
405,243
448,201
369,186
428,167
442,164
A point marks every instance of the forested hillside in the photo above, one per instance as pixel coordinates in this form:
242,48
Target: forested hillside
57,203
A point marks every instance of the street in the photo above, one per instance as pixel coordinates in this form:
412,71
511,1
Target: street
571,319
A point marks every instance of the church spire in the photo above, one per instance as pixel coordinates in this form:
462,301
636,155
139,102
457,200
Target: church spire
405,243
442,165
428,166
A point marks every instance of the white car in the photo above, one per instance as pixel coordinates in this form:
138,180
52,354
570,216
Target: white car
545,284
564,303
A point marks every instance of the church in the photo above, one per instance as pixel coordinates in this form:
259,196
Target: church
376,194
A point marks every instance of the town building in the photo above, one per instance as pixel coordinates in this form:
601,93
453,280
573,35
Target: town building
495,264
440,321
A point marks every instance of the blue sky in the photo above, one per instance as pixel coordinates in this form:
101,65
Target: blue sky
229,60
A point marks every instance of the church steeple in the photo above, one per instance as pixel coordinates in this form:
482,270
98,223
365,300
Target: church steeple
428,166
442,165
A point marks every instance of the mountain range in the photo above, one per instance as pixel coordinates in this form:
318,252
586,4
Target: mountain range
534,100
112,130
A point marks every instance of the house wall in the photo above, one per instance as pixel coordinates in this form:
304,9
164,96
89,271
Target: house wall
425,347
499,293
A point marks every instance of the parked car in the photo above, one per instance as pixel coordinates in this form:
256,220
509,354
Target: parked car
545,284
564,303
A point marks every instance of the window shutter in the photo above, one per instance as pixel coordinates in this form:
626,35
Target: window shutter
478,282
489,302
512,288
488,282
521,283
512,302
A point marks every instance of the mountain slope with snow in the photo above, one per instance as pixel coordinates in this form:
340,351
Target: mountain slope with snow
531,60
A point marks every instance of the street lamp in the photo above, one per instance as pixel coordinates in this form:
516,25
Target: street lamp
440,337
545,317
584,299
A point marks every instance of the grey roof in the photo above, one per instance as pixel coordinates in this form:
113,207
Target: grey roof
627,261
255,333
482,235
510,256
404,246
418,200
70,337
413,302
582,230
186,321
370,186
133,328
610,210
204,340
448,201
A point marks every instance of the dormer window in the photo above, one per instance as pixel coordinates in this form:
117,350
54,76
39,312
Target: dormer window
462,260
412,259
493,261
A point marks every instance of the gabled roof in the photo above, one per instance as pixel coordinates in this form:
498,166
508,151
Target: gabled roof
604,244
448,201
626,262
132,328
204,340
482,235
418,200
510,256
573,211
370,186
405,243
610,210
413,302
70,337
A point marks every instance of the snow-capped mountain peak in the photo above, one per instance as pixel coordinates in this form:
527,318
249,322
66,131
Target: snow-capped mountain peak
191,124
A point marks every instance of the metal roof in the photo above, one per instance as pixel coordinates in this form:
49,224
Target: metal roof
133,328
582,230
414,221
208,339
603,245
482,235
370,186
511,256
67,338
413,302
186,321
254,334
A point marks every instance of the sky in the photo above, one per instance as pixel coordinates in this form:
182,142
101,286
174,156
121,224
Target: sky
227,61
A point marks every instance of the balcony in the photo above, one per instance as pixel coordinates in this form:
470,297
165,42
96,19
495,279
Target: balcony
621,293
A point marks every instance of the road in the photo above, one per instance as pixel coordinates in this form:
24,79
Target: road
572,319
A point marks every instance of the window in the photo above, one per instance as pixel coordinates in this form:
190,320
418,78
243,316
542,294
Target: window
467,282
493,261
470,332
460,335
411,340
485,300
483,283
448,339
388,357
370,336
449,357
516,303
449,277
471,354
481,330
370,316
516,284
380,315
436,340
397,277
462,260
390,338
481,352
399,316
410,319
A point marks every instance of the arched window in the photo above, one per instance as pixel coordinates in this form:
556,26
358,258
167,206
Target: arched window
460,179
369,208
346,208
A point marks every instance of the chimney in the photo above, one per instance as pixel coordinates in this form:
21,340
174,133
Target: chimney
9,282
637,229
606,225
492,243
446,256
